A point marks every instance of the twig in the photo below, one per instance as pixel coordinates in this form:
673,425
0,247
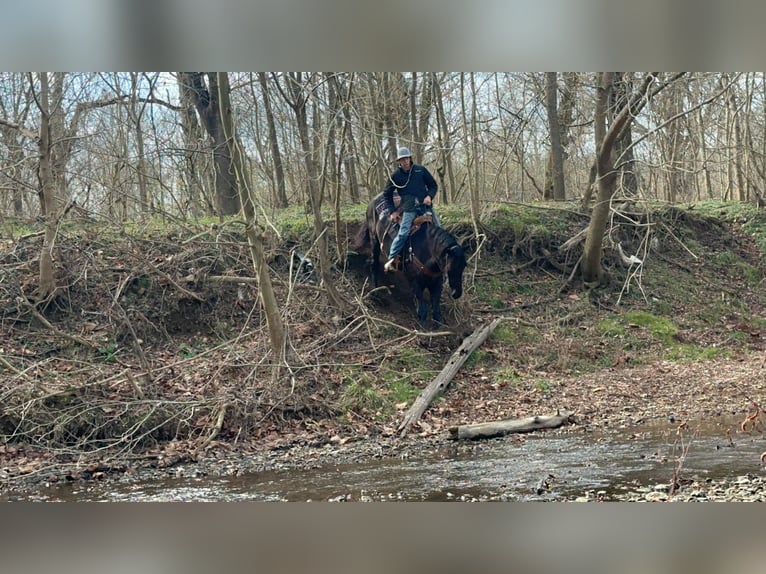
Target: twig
8,366
75,338
216,429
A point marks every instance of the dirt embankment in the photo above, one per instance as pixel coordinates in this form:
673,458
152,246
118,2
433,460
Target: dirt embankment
154,354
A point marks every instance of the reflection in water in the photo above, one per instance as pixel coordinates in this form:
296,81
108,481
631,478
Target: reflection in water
544,466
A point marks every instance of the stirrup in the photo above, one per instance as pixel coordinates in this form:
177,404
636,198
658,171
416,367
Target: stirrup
390,265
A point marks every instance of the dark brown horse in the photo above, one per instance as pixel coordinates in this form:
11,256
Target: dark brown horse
430,252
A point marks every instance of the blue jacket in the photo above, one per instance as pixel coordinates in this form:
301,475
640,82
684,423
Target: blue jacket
413,187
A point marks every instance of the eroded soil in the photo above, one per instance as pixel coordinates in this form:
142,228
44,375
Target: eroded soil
152,360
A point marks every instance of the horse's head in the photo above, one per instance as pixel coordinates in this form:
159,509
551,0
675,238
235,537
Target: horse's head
455,267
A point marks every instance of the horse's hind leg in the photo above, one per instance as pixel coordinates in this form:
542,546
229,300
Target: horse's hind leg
375,261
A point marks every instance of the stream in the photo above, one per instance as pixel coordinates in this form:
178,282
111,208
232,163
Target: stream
538,466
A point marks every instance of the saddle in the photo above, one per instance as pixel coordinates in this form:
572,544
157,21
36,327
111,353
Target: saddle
424,217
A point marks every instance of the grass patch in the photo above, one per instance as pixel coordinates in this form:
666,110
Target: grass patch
507,376
401,390
690,353
477,357
360,393
411,359
542,386
511,335
660,328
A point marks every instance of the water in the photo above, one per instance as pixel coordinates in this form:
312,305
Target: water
538,466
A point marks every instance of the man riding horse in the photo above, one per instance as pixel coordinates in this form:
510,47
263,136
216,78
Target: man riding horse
416,186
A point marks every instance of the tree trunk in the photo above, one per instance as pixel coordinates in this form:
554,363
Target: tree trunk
253,232
470,130
445,169
623,147
206,102
298,103
737,150
136,114
606,176
499,428
417,138
193,157
348,143
389,109
46,282
556,185
280,194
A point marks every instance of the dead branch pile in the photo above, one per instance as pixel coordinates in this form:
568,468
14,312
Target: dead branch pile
152,337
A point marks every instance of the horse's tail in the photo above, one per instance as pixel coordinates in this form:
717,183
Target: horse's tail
362,238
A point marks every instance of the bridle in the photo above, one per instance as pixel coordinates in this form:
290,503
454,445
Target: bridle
441,267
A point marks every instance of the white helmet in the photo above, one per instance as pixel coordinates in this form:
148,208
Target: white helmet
403,152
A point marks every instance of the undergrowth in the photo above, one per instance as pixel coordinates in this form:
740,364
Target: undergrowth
146,346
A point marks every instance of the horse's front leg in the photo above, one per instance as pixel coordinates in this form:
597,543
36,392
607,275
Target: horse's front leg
436,308
422,307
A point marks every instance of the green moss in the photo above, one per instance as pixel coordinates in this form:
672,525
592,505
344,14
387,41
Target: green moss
691,353
660,327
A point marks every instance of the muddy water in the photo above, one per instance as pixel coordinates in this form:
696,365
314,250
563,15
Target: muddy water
538,467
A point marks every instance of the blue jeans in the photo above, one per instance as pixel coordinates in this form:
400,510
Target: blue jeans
404,232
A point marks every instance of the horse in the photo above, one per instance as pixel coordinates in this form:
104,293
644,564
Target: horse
430,252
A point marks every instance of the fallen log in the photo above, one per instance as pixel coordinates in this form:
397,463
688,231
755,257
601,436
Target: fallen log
499,428
446,375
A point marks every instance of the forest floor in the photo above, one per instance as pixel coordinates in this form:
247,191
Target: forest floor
152,358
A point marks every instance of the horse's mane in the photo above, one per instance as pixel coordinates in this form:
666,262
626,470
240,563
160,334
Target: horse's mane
442,238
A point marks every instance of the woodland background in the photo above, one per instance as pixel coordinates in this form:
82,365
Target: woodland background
143,215
125,147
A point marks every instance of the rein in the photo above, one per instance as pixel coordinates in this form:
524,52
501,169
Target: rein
423,269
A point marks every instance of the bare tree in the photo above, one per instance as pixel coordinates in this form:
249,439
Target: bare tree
735,148
444,169
255,235
193,172
206,101
348,146
470,135
46,287
606,174
15,166
279,195
296,96
554,186
623,147
136,111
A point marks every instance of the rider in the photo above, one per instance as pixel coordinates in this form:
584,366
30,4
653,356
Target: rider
415,185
